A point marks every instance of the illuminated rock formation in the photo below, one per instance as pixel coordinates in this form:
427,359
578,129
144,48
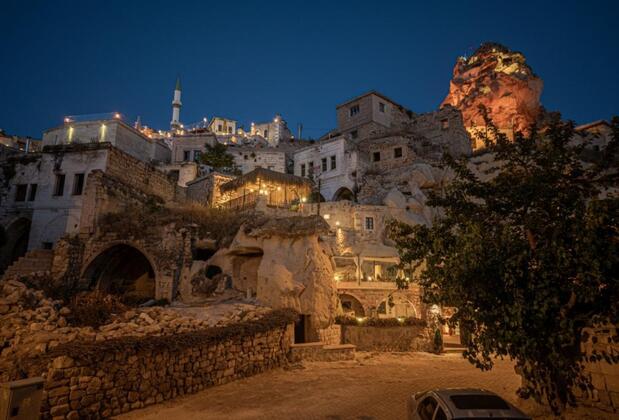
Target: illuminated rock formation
499,80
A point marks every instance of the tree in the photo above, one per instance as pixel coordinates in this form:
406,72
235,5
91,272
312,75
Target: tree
527,253
217,157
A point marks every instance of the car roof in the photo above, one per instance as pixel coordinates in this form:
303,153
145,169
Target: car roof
445,396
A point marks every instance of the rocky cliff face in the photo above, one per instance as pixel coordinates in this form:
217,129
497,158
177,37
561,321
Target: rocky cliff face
501,81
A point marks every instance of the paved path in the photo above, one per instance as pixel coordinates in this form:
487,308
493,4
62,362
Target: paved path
375,386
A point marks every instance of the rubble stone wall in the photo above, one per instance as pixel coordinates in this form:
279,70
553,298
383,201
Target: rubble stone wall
404,338
134,375
331,335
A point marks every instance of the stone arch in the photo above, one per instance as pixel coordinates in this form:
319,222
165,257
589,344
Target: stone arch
15,241
352,303
343,194
122,269
402,307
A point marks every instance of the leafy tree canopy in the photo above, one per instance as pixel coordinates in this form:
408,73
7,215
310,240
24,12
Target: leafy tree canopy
527,252
217,157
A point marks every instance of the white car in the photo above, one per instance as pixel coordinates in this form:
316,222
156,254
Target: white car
448,404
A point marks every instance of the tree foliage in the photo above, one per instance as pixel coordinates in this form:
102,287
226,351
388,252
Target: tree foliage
217,157
527,251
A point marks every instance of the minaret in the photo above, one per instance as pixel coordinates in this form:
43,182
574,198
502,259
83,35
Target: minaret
176,105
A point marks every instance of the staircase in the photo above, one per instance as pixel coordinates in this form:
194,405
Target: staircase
34,261
451,344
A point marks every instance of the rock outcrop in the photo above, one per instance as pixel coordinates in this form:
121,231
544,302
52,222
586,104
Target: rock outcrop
500,80
285,264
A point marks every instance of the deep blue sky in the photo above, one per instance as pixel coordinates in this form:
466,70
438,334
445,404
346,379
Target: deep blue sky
249,60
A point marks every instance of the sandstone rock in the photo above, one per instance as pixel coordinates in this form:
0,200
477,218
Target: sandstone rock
500,80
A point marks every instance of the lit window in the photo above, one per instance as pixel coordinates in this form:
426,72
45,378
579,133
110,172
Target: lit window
376,156
397,152
381,107
78,184
354,110
20,192
333,162
369,223
59,186
324,164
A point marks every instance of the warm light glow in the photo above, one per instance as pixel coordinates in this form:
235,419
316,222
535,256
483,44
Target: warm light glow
337,223
279,188
370,278
303,199
117,115
67,119
400,319
103,129
326,216
70,134
360,319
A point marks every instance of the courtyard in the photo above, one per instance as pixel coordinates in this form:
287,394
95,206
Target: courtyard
374,386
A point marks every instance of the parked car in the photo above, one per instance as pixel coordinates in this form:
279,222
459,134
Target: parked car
452,404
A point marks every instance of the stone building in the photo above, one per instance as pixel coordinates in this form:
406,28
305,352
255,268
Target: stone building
247,158
273,132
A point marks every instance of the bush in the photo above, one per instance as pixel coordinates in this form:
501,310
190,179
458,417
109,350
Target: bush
438,341
94,309
380,322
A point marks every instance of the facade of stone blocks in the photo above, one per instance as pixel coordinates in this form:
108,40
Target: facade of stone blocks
187,148
246,159
332,162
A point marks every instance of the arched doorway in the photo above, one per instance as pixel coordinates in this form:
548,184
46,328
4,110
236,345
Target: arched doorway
343,194
15,242
351,305
124,271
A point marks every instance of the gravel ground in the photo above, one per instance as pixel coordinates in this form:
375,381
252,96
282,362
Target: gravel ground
374,386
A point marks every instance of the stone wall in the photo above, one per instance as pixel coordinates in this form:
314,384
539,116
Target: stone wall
112,377
604,376
331,335
140,175
404,338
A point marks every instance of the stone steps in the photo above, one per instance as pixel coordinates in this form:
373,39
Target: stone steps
321,352
34,261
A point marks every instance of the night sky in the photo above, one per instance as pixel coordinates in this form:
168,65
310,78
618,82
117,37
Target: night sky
250,60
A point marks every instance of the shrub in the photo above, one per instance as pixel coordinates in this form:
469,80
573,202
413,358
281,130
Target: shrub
380,322
438,341
93,309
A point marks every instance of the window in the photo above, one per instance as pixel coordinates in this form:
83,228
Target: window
310,168
266,134
220,128
381,107
333,162
354,110
426,408
376,156
444,124
303,169
59,186
78,184
196,155
229,129
186,155
323,163
20,192
369,223
354,134
397,152
33,192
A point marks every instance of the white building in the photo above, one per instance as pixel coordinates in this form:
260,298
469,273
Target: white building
332,164
108,129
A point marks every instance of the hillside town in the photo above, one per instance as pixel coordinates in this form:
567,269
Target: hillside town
220,223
